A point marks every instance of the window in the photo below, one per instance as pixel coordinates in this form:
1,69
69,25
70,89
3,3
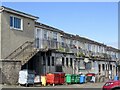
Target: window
110,67
66,61
62,61
11,21
71,42
44,61
89,47
82,65
71,62
103,67
45,34
99,68
106,67
48,61
15,23
63,43
52,61
88,66
55,36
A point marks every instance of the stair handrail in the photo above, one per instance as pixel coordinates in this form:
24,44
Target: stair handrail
19,48
29,45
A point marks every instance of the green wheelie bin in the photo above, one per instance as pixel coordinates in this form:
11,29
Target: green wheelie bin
68,78
77,79
73,76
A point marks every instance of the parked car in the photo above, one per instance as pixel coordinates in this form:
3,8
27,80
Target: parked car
112,85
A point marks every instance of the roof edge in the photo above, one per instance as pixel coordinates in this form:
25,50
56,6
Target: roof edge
3,8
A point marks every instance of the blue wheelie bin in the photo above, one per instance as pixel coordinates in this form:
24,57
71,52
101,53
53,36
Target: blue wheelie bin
82,78
116,78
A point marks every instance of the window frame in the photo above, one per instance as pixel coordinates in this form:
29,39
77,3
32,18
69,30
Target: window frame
21,22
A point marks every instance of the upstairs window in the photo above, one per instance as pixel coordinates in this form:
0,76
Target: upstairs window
63,42
55,36
45,34
71,42
16,23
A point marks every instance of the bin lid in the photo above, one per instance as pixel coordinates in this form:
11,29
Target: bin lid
58,72
90,74
67,74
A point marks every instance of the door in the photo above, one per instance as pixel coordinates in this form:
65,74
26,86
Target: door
58,68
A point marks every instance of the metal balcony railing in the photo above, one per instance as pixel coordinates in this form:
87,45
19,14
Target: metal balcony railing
65,47
53,44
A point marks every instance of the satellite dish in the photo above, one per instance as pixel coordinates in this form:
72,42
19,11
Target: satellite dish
86,60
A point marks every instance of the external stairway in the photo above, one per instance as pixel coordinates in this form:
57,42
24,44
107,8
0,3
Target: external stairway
24,52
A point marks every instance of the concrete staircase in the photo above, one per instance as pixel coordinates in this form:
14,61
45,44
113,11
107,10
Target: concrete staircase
24,52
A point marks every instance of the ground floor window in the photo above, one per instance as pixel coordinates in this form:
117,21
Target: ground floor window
88,66
53,61
110,67
71,61
99,66
66,61
48,61
43,61
81,65
103,67
106,67
63,61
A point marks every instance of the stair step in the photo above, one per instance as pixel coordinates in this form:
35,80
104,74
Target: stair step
24,53
28,57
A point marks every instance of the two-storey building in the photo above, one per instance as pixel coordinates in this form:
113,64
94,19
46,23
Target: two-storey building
28,44
16,33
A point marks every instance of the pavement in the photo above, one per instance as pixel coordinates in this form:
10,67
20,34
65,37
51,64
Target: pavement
85,85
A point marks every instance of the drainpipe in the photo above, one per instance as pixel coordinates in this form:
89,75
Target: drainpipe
108,68
74,65
45,63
